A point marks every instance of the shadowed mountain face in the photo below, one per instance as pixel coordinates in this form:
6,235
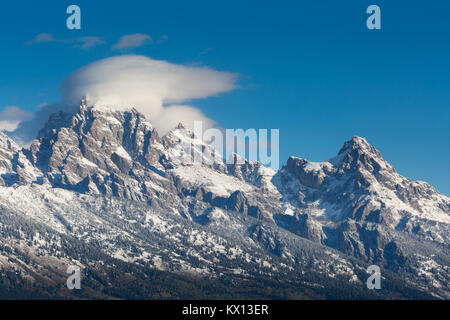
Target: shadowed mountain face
101,189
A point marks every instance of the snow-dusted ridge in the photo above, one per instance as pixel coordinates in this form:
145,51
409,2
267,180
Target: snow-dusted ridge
107,179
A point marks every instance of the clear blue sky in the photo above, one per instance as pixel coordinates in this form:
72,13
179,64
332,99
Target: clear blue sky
310,68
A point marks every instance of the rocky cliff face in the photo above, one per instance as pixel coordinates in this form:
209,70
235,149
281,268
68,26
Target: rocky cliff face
119,179
101,152
363,186
15,168
357,203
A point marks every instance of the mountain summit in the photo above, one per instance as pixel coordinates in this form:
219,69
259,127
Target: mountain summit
102,185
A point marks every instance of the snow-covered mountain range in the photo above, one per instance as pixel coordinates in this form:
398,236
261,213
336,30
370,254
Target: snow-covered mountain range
102,190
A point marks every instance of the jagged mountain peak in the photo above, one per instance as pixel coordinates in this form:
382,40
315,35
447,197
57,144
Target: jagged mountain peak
357,159
362,161
362,185
356,142
84,113
98,149
358,149
181,126
353,155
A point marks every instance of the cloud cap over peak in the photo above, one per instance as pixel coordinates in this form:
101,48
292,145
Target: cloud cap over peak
150,86
132,41
144,83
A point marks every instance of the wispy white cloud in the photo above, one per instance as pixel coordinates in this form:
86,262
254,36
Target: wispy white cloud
41,37
132,41
128,41
89,42
11,116
78,42
171,116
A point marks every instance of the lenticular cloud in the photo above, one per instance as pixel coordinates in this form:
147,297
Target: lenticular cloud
150,86
142,82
